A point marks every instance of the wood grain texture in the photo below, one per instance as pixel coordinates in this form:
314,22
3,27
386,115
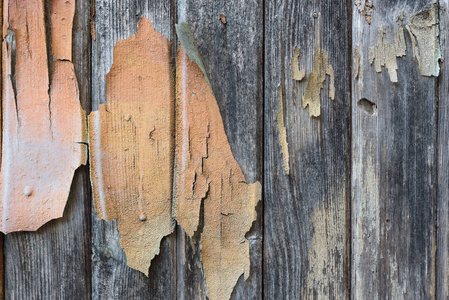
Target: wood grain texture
394,164
54,262
112,278
442,245
232,56
305,220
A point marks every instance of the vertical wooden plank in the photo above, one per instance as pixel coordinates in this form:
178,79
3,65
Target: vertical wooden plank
2,269
111,277
2,236
394,150
54,262
230,39
442,259
306,253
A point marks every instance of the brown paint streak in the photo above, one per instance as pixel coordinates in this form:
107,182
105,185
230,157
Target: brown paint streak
207,171
43,129
131,145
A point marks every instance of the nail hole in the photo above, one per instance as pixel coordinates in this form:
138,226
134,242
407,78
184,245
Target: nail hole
367,106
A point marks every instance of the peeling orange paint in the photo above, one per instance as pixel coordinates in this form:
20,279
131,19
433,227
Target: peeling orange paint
44,136
61,15
208,175
131,145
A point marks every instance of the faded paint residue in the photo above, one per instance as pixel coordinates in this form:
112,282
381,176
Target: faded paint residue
356,62
92,20
326,251
425,35
223,18
296,73
208,178
385,54
131,145
366,222
43,131
366,9
321,68
282,131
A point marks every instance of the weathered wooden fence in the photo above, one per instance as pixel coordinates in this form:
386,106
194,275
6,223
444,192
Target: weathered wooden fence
355,201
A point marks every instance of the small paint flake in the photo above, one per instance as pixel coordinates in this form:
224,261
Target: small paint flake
356,62
425,35
366,9
385,54
296,73
282,131
321,68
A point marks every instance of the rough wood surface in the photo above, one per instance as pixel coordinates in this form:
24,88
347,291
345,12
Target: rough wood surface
54,262
111,277
232,55
442,161
370,175
306,231
394,161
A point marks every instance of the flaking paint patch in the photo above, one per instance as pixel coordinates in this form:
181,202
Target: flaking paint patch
44,132
384,54
282,131
425,35
131,145
321,68
356,62
326,249
206,172
297,74
92,20
366,8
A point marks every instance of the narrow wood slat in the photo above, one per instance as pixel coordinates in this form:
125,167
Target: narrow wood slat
54,262
2,262
306,227
442,246
394,163
111,277
230,38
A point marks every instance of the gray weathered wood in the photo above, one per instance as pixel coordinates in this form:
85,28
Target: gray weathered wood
306,231
111,277
442,246
233,56
394,166
54,262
